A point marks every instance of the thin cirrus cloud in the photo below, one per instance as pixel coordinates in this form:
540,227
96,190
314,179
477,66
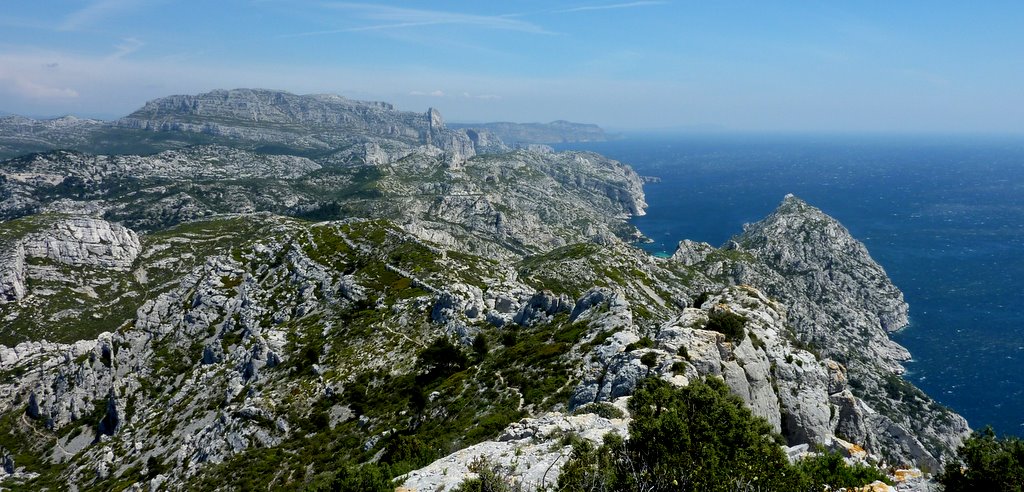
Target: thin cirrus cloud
384,17
26,87
482,97
437,93
95,12
612,6
125,48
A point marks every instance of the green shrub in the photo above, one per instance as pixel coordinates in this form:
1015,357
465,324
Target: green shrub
699,437
701,299
490,478
986,462
828,471
509,338
650,359
480,346
366,478
601,409
727,323
644,342
441,359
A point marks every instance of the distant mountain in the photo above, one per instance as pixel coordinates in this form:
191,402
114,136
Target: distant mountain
541,133
20,135
274,121
253,119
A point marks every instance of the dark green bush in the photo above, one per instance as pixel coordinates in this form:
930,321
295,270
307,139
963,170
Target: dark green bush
366,478
509,338
480,346
678,367
650,359
700,438
727,323
721,446
601,409
701,299
986,462
828,471
441,359
644,342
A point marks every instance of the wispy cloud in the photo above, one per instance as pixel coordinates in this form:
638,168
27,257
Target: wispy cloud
94,12
31,89
384,17
435,93
627,5
482,97
125,48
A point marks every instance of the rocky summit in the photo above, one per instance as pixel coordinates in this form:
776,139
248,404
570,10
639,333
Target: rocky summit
253,289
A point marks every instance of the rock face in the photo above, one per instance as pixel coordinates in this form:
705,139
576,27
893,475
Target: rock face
530,451
813,249
841,304
85,241
68,242
310,121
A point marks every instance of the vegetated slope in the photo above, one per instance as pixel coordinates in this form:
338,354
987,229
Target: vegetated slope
181,320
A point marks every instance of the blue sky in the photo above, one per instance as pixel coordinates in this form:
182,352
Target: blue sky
903,66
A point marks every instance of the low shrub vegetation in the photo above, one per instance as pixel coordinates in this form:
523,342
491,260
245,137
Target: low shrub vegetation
700,438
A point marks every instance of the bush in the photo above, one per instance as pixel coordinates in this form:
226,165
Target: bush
700,437
828,471
644,342
366,478
480,346
727,323
601,409
986,462
441,359
678,367
490,478
509,338
701,299
650,359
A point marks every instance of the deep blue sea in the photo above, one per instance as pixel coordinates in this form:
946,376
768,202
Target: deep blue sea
943,215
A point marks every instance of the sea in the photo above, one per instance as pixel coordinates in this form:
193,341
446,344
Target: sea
944,215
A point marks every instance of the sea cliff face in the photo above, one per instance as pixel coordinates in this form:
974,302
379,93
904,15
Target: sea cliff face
225,316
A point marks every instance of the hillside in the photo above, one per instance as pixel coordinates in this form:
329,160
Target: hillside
314,283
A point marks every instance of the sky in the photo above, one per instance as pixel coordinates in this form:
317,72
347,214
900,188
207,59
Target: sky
793,66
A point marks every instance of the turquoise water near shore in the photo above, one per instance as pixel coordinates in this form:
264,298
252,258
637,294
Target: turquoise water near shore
943,215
